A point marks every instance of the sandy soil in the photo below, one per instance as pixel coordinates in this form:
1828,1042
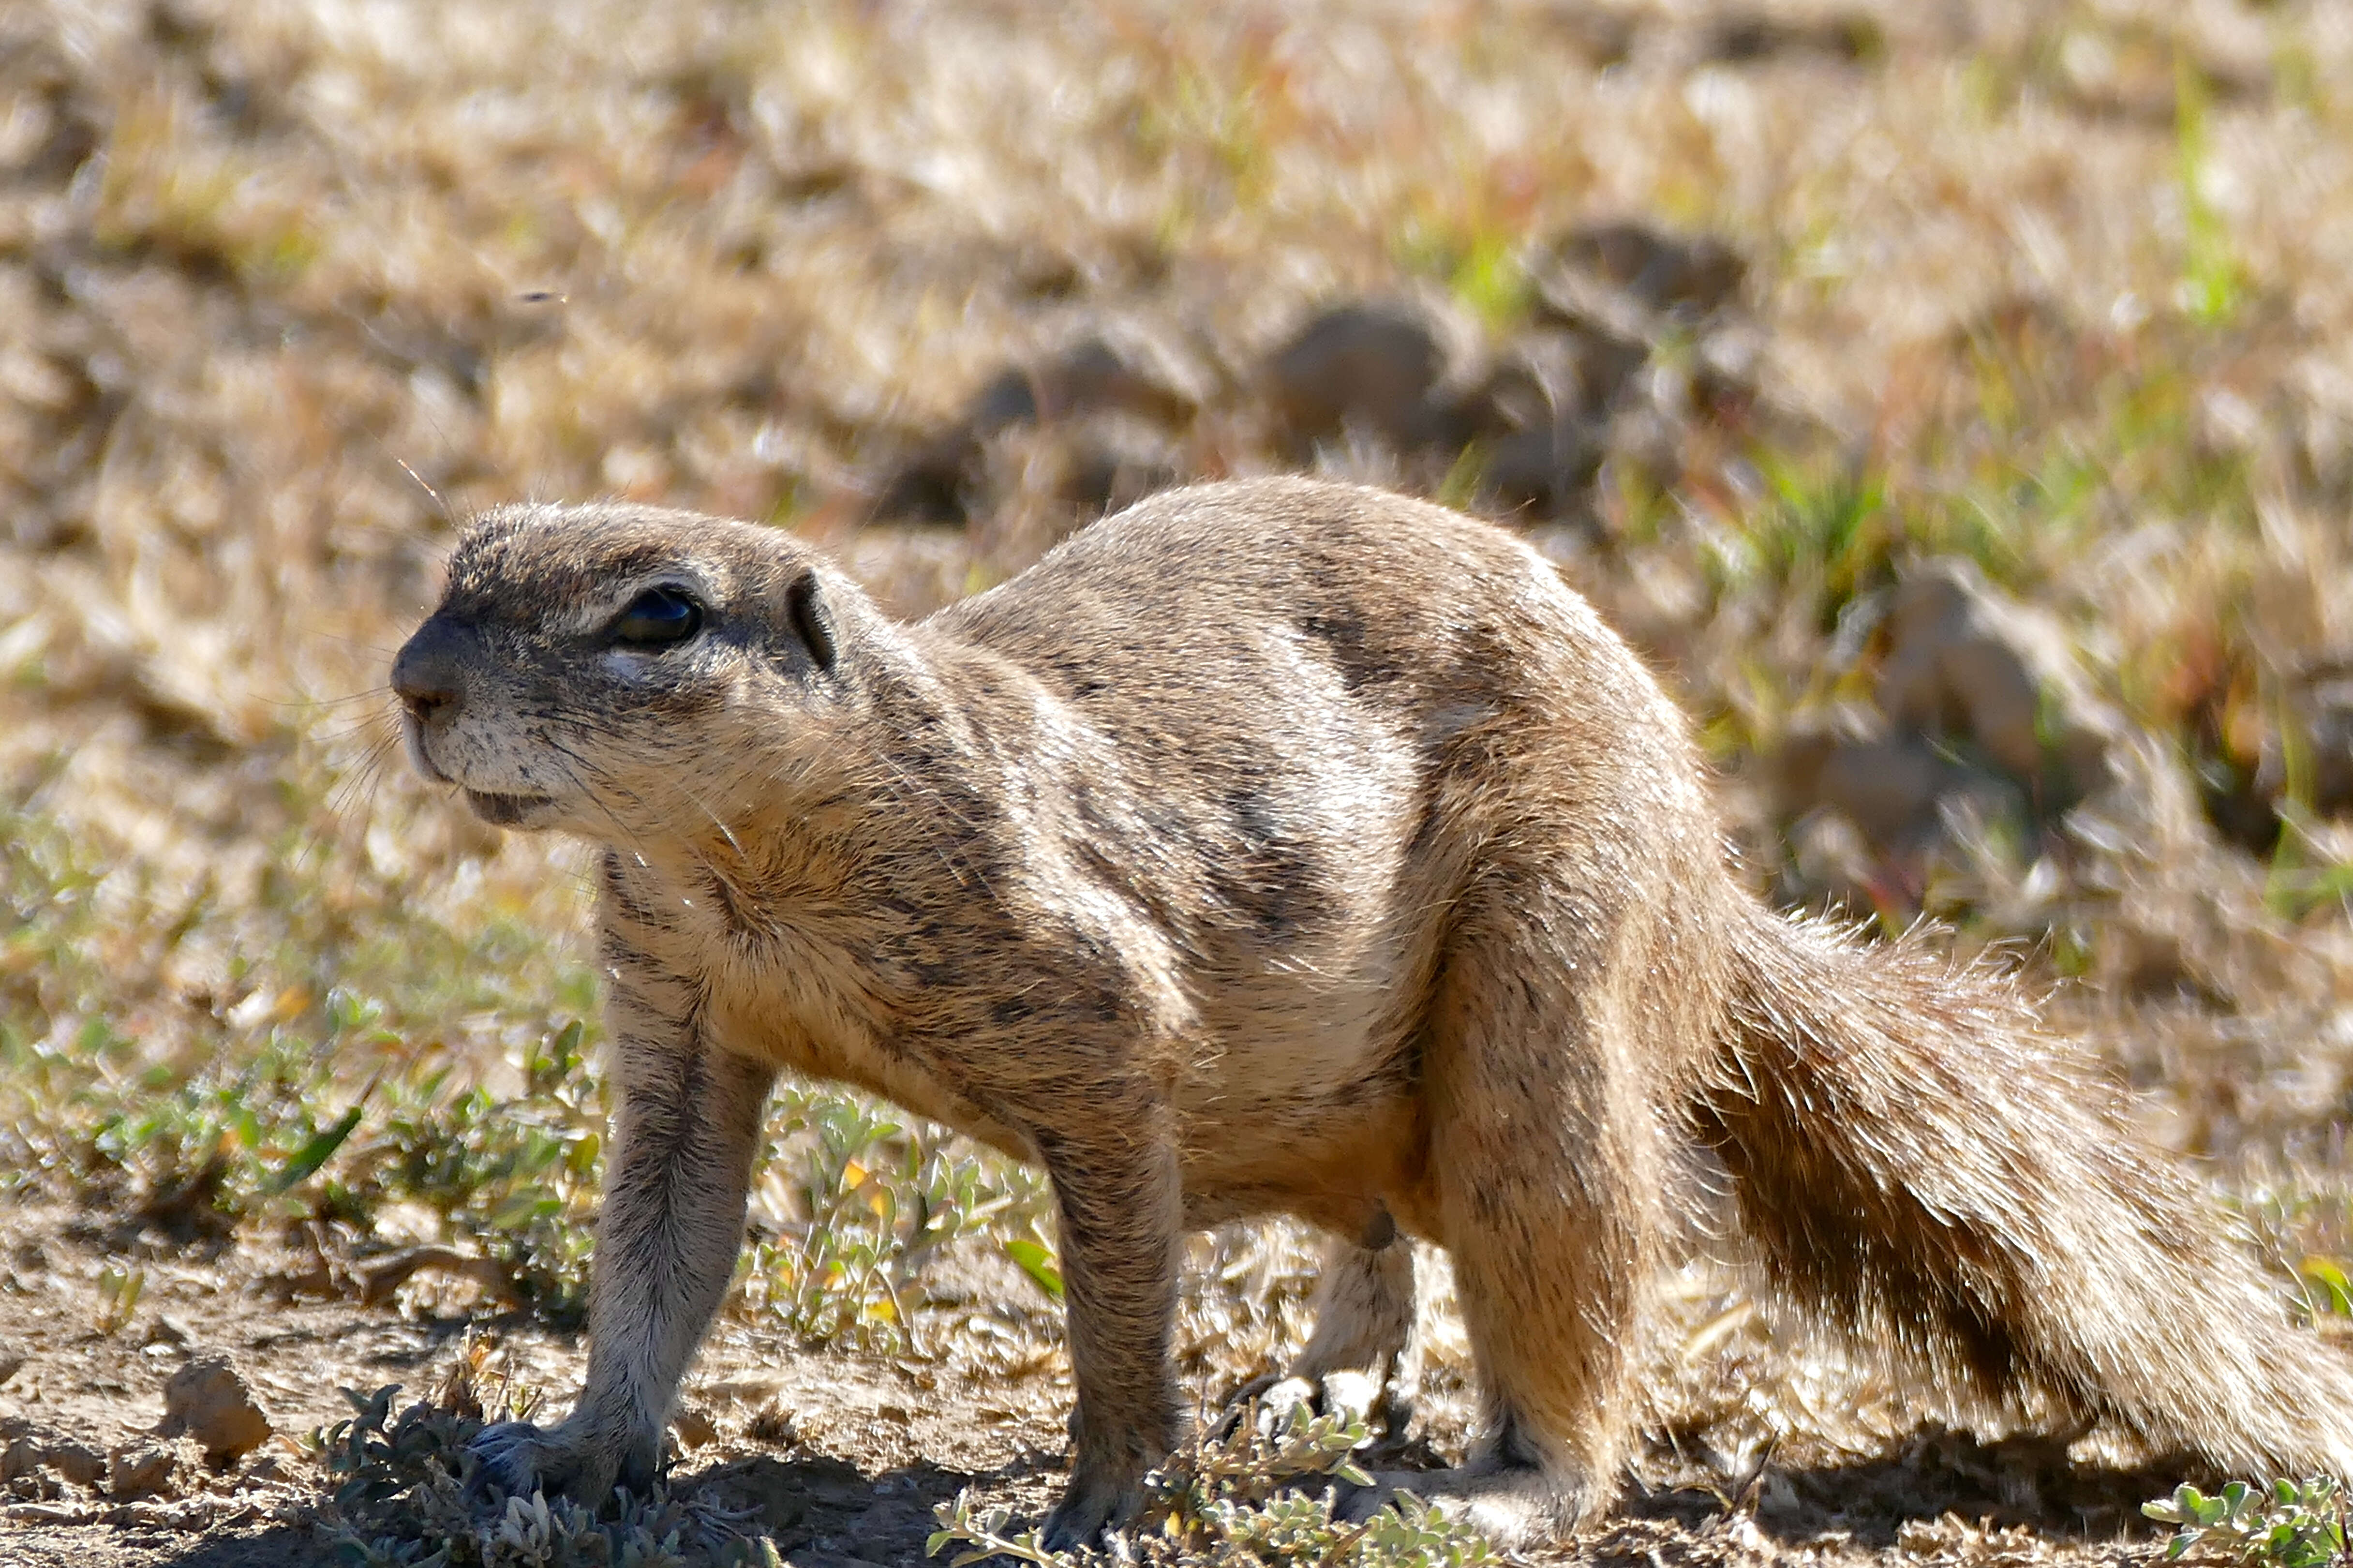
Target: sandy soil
840,1458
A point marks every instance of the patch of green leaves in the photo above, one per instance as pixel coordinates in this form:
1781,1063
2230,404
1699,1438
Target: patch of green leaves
2289,1524
1035,1260
872,1202
369,1057
409,1493
514,1176
1261,1489
119,1290
316,1150
1823,532
2327,1286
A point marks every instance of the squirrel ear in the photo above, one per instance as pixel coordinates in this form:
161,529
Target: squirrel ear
804,606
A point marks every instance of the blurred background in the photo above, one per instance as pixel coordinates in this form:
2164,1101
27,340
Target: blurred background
1954,401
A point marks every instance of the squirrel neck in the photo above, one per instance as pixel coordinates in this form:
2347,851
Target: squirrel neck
921,760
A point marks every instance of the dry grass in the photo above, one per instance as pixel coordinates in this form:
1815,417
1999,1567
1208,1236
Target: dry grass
2064,290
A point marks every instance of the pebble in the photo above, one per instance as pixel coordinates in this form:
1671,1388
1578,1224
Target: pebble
209,1401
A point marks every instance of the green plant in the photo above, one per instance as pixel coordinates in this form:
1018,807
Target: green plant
875,1200
2213,283
117,1297
1825,534
2291,1524
2328,1287
1258,1488
491,1131
514,1176
408,1493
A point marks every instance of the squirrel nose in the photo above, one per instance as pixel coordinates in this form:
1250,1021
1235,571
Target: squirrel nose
426,676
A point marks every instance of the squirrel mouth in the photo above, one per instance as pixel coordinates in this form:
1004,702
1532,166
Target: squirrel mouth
505,809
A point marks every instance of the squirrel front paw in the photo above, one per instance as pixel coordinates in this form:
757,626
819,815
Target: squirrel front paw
570,1459
1087,1509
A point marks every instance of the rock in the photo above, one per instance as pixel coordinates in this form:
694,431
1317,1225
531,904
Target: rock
1375,364
1549,468
694,1428
1886,786
1893,789
140,1471
1110,462
1122,370
1127,373
1662,345
32,1448
1966,660
1659,272
12,1361
934,483
77,1462
1982,709
1539,379
1550,374
207,1400
1539,414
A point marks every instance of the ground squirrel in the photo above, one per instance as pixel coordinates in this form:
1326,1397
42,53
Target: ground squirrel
1281,846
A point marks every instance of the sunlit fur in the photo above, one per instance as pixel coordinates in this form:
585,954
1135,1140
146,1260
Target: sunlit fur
1280,846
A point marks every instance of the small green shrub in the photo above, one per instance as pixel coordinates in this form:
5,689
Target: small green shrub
2291,1524
409,1494
1259,1489
875,1202
369,1059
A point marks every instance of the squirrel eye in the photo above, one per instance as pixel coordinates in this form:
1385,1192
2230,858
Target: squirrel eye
658,618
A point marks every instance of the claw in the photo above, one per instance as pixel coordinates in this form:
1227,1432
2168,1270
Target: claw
1085,1513
565,1460
1266,1401
1270,1398
509,1456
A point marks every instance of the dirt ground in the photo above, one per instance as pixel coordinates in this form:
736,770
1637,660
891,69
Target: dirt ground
867,1447
1761,1452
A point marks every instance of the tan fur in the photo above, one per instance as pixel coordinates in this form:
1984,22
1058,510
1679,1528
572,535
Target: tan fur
1281,846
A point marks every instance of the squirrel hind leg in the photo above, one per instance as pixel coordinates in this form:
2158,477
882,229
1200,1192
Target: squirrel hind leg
1550,1175
1513,1497
1361,1359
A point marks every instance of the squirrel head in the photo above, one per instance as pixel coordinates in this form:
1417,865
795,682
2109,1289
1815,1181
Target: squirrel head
621,672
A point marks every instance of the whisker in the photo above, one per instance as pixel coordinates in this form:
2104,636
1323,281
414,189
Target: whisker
300,704
438,505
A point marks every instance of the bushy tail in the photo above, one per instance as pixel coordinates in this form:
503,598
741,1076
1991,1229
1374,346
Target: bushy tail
1923,1165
